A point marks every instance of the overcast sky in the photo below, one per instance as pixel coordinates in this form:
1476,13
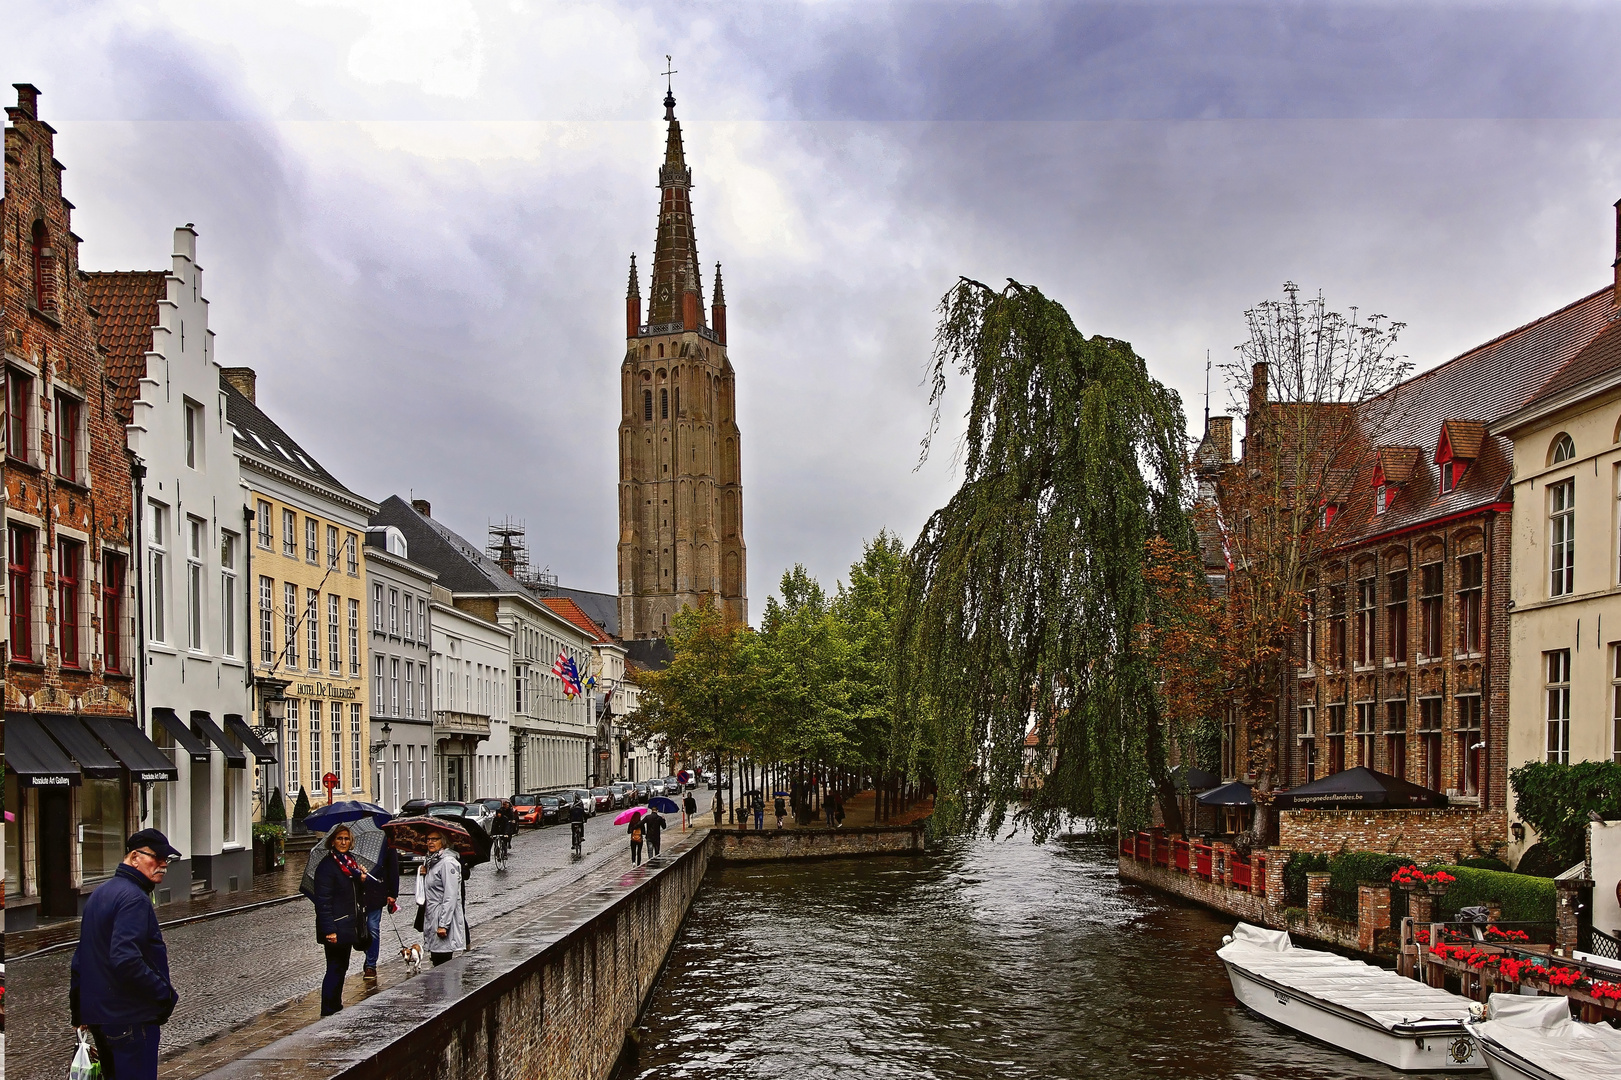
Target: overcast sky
416,216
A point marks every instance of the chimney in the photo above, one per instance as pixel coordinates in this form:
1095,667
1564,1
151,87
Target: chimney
1258,386
243,380
28,99
1221,438
1615,298
423,507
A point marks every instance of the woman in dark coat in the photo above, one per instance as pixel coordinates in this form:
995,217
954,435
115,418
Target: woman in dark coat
340,900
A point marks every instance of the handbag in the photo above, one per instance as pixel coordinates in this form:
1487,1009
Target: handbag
422,901
83,1068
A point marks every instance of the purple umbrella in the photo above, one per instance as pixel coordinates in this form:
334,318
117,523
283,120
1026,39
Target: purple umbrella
632,814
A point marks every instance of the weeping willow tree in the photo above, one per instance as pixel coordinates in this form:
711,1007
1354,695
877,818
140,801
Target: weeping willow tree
1022,664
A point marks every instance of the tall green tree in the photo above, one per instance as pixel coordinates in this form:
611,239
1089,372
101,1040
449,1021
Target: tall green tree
706,702
801,658
1025,599
867,608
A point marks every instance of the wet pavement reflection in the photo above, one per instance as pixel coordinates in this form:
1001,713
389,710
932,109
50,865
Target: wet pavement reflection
986,958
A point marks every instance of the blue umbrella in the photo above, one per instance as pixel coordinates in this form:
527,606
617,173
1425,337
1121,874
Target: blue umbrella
663,805
345,812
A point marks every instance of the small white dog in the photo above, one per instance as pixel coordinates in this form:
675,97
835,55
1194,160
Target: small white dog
412,955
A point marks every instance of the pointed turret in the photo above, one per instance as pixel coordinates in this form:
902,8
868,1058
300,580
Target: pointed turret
718,315
677,295
633,302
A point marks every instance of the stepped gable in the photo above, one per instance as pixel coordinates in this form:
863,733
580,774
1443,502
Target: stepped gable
1477,388
126,305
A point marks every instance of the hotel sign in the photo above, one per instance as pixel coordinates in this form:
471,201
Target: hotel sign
326,690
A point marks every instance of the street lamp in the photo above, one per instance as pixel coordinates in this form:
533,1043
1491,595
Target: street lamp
377,749
273,706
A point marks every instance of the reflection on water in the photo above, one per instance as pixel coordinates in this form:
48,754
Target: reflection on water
984,959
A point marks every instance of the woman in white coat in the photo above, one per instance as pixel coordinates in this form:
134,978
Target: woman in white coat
444,923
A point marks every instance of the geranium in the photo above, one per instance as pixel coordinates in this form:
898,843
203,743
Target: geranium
1564,977
1507,935
1412,875
1510,967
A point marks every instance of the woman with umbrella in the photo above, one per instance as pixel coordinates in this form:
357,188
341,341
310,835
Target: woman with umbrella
444,920
340,904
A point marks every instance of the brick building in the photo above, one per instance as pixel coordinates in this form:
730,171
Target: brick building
680,484
1402,662
69,591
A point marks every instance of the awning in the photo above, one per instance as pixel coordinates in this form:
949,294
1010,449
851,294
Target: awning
234,757
1354,789
33,757
181,734
238,727
83,747
1186,779
1233,794
130,745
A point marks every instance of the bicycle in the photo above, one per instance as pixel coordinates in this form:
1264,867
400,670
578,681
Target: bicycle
578,828
502,849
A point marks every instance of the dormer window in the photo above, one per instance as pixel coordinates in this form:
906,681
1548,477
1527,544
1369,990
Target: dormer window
1458,446
1393,468
1381,496
1451,473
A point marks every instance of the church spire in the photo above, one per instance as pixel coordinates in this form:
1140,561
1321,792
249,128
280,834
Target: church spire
718,316
633,302
677,296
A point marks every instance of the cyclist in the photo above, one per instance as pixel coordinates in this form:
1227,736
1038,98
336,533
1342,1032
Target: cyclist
505,827
576,818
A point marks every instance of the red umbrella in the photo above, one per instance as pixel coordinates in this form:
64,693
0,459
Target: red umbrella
633,814
411,834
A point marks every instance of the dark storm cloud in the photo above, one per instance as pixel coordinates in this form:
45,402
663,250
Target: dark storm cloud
430,282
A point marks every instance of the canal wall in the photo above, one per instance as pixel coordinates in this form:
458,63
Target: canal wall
747,845
554,998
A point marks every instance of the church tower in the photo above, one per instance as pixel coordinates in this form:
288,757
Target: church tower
680,488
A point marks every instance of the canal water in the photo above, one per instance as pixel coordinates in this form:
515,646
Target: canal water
986,958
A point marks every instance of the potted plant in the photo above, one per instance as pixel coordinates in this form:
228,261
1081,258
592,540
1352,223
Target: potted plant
267,846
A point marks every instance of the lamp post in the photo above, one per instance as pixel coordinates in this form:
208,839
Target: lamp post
377,749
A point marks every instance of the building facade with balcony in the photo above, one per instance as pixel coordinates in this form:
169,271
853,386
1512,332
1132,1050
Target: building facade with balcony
399,619
472,723
308,644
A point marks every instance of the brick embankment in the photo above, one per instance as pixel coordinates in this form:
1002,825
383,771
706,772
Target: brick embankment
1421,835
816,843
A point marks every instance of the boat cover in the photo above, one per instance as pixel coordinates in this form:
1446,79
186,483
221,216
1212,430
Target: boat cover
1540,1030
1384,997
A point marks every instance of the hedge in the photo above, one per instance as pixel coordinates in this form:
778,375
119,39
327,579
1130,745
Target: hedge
1294,876
1350,868
1523,898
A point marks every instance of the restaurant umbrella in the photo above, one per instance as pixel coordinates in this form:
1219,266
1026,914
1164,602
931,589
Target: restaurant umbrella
1354,789
343,812
663,805
633,814
1233,794
367,850
1189,779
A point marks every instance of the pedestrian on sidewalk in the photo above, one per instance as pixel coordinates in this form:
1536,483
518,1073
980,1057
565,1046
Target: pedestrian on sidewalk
340,913
759,813
827,808
382,891
653,825
689,808
780,810
118,987
634,829
838,811
444,915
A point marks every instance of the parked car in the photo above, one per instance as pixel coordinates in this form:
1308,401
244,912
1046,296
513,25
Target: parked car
655,787
477,813
528,809
624,793
604,797
551,810
718,781
413,807
582,795
672,786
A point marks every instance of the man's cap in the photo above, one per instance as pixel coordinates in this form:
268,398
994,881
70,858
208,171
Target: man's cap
156,841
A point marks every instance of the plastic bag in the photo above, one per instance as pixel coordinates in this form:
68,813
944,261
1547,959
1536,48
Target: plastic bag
83,1068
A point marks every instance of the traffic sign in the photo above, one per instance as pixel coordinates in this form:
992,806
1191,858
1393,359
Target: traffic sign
329,781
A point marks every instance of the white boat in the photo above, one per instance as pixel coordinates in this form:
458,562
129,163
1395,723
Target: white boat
1364,1010
1534,1038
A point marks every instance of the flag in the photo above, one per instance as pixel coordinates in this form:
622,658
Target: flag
564,670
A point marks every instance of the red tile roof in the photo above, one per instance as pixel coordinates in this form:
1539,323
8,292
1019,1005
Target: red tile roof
1479,387
127,301
1601,357
571,611
1464,437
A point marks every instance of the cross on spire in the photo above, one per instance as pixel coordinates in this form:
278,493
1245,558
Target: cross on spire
669,70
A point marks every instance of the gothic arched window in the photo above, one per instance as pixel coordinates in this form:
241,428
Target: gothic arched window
664,404
647,404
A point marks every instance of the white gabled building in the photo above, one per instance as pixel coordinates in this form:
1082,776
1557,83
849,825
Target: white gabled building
472,721
193,681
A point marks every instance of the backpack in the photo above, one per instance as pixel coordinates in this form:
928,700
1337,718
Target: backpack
635,836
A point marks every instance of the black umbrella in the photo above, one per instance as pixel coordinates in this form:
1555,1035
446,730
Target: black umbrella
1354,789
1187,779
1233,794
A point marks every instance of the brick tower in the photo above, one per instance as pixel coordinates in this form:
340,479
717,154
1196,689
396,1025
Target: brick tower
680,490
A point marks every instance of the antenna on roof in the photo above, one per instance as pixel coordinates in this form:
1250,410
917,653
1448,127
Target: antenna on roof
1207,391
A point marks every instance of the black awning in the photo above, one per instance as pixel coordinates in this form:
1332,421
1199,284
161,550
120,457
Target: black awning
250,742
33,757
1187,779
181,734
1353,789
71,734
130,745
234,757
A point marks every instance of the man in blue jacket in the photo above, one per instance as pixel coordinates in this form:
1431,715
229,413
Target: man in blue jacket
120,976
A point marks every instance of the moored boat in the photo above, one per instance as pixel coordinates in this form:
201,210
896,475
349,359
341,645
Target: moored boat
1534,1038
1364,1010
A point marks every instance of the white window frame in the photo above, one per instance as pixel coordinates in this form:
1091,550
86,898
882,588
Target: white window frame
1556,672
228,593
1562,537
196,544
157,546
